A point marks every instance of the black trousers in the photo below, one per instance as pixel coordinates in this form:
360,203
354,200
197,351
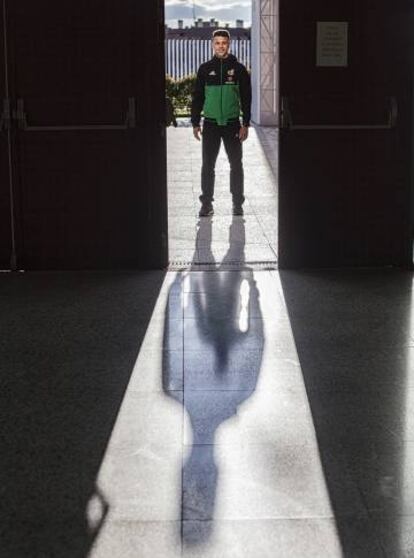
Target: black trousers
211,139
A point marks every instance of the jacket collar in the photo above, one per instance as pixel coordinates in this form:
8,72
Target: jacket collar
229,59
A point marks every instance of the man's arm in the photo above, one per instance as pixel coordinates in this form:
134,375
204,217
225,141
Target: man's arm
197,101
245,88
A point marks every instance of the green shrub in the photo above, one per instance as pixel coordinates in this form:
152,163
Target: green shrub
179,91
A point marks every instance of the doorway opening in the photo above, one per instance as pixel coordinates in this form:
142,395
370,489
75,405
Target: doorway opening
223,240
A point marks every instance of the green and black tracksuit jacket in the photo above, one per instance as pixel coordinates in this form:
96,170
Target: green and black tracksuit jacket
222,92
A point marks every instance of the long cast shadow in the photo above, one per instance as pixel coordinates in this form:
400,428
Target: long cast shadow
223,344
68,346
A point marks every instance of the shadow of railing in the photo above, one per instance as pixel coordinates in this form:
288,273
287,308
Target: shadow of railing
68,346
222,330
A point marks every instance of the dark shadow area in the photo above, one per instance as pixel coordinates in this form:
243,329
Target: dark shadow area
223,345
354,341
69,343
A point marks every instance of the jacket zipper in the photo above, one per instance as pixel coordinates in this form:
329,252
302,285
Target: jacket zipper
221,90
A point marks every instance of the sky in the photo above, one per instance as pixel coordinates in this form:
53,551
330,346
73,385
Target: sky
226,11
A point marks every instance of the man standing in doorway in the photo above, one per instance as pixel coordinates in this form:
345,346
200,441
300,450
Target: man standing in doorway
222,93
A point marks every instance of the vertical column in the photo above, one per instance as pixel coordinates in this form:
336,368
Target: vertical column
265,21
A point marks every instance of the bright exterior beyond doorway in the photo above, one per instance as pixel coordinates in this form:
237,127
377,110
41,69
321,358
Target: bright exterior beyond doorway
222,241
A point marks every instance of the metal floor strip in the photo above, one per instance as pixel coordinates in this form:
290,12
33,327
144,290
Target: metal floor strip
178,265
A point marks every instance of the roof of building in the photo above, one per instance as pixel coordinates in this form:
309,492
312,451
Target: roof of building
205,33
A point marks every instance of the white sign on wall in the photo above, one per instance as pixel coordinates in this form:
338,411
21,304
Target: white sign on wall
332,43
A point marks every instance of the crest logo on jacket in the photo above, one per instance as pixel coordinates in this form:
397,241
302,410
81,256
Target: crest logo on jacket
230,72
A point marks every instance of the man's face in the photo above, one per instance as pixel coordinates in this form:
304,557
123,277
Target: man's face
221,46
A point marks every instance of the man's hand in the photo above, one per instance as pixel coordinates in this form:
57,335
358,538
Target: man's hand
197,132
243,133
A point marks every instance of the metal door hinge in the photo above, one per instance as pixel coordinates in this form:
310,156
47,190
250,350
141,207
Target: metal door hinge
5,119
19,115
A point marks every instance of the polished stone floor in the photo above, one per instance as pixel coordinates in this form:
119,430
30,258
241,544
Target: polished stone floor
205,242
225,414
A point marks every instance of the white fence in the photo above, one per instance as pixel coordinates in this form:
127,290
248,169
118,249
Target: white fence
184,56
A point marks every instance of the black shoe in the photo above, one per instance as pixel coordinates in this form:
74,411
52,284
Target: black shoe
238,210
206,210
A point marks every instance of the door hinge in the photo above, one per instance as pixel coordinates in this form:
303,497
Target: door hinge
19,115
5,119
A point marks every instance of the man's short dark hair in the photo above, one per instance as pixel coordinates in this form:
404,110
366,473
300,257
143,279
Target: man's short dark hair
221,33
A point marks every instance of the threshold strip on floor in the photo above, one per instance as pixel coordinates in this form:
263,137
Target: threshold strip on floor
178,265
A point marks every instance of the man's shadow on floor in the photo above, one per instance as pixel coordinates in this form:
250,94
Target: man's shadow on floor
223,346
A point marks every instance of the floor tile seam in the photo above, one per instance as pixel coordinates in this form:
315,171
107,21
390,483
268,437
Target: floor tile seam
183,429
267,315
375,515
324,411
182,265
257,202
267,272
144,521
337,447
182,503
215,257
270,393
120,450
255,318
346,342
350,388
382,544
269,242
238,348
183,356
206,243
279,518
225,319
346,417
246,390
352,478
382,515
397,435
269,519
146,391
244,444
190,390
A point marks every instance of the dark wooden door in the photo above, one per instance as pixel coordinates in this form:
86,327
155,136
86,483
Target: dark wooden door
6,237
89,149
345,145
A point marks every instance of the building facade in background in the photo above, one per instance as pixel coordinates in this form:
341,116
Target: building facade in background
188,47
